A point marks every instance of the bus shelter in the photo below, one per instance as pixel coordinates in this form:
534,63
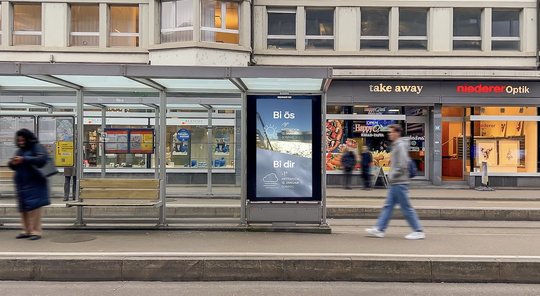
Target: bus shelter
104,86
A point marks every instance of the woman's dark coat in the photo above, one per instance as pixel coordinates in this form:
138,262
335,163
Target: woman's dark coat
32,188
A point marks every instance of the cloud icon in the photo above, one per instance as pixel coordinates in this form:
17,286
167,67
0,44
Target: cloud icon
270,178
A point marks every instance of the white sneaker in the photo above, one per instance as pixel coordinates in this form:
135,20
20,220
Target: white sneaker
375,232
415,235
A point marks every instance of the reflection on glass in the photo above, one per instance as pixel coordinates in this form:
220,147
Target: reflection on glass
505,29
374,28
84,25
26,24
176,21
467,23
220,21
281,29
124,25
319,28
413,28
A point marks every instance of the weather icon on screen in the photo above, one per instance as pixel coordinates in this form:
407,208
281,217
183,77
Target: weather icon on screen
271,180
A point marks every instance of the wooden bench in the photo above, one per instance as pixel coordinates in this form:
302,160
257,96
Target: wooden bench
99,192
6,175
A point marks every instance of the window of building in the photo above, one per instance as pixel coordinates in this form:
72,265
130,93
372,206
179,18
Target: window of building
124,25
281,29
320,28
220,21
505,29
176,21
467,23
84,25
507,145
374,28
413,28
26,24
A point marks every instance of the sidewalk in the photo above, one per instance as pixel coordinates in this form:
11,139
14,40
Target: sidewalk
453,252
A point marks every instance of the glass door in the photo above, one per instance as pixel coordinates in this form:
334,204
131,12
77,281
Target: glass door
417,131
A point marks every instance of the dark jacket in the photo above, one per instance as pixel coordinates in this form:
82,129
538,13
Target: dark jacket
32,188
366,160
348,161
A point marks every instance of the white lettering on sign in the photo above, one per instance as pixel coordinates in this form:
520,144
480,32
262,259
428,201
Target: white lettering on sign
408,89
281,114
289,164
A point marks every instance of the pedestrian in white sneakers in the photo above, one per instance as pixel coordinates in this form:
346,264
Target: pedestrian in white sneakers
401,169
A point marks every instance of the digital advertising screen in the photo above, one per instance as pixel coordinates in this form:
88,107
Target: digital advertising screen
284,151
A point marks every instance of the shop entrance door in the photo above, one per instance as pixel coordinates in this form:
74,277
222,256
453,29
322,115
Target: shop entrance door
453,156
417,129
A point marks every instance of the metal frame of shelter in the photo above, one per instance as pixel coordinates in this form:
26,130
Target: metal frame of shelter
99,85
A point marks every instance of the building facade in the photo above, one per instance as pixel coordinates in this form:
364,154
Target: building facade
461,76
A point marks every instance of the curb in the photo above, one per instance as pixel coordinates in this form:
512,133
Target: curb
9,212
276,268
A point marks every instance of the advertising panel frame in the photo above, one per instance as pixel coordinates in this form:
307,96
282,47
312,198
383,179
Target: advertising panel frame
316,152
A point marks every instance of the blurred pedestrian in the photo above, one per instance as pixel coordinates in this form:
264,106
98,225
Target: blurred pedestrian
366,163
348,163
69,175
399,179
32,188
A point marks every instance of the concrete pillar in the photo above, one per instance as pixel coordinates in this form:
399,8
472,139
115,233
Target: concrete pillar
6,23
346,34
394,29
103,25
528,30
300,28
440,29
245,24
260,28
486,29
437,145
55,25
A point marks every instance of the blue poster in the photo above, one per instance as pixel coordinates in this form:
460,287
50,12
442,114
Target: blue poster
183,135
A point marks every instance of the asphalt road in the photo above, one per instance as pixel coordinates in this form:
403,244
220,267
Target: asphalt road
259,289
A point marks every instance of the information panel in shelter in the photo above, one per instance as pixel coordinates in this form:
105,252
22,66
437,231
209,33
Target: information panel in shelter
9,125
284,152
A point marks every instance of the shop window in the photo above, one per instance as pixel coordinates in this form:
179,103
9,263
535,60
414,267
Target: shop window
84,25
413,28
507,146
281,28
352,135
374,32
467,29
26,24
320,28
93,149
187,147
176,21
505,29
334,109
220,21
124,26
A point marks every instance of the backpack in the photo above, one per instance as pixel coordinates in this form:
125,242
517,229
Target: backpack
413,170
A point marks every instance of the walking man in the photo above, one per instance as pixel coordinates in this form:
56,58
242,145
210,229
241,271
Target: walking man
399,188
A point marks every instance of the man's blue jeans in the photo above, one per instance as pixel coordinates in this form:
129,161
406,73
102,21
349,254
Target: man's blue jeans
398,194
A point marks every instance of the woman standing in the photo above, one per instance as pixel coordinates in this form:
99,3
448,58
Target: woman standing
32,187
